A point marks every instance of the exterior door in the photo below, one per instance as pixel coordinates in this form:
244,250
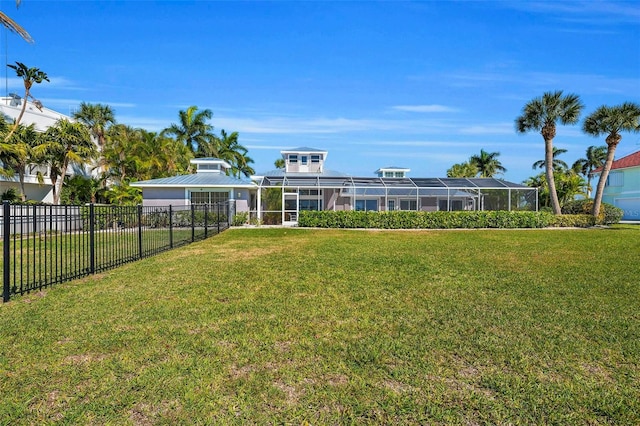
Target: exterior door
289,208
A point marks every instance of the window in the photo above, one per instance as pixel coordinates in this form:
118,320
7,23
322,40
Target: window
615,179
303,160
315,158
408,205
293,158
399,174
366,205
315,192
391,205
388,174
209,197
311,205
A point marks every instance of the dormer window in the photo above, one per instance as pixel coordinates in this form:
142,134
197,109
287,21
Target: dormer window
293,158
304,160
315,158
210,165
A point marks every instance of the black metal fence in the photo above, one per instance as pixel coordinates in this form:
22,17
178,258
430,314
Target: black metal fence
46,245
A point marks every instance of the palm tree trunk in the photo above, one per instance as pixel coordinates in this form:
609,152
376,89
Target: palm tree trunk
57,187
17,123
553,194
597,199
23,196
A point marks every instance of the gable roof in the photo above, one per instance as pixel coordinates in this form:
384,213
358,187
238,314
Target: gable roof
631,160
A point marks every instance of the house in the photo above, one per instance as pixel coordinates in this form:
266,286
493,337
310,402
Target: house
306,184
42,118
622,188
209,185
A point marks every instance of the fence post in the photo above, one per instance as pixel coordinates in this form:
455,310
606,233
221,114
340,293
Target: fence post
218,216
92,239
6,253
140,231
206,213
170,227
193,222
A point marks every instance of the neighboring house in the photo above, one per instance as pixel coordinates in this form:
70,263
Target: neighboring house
622,188
210,184
42,118
305,184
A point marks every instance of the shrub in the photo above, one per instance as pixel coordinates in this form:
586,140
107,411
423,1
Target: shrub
240,219
572,220
608,213
424,220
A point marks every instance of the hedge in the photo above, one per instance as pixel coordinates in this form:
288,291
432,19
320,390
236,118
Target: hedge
440,219
608,213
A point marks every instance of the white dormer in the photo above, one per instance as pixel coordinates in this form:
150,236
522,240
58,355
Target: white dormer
211,165
392,172
304,160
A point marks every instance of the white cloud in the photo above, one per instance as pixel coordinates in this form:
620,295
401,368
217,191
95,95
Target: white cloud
425,108
493,129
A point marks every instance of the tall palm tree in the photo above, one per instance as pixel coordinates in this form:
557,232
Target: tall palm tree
193,130
14,27
69,143
29,77
542,114
556,163
235,154
487,163
462,170
610,121
595,157
97,118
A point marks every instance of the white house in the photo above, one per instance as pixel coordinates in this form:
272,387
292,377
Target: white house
42,118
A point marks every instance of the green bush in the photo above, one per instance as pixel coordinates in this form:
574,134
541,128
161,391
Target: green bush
609,214
240,219
573,220
424,220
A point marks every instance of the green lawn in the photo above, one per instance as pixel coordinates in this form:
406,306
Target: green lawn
295,326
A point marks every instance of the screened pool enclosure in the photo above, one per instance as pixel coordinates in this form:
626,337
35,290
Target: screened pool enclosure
281,198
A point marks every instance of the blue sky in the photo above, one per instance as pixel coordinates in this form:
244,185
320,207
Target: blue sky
421,85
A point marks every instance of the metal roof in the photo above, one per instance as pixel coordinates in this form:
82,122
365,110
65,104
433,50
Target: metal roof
331,181
198,179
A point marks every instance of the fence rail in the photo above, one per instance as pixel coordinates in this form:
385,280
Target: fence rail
46,245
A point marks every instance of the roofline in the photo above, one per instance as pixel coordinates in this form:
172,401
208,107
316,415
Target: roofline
160,185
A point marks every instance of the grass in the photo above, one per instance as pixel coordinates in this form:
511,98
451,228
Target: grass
294,326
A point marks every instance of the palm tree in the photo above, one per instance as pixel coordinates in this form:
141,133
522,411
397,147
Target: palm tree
193,130
487,163
69,143
235,154
29,77
29,149
542,114
462,170
97,118
14,27
279,164
556,163
570,184
121,157
595,158
610,121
